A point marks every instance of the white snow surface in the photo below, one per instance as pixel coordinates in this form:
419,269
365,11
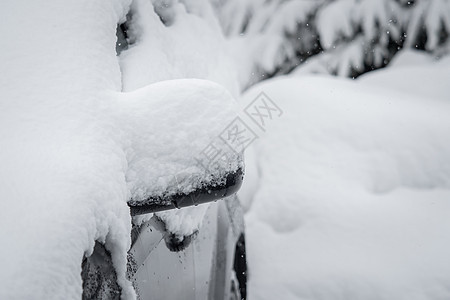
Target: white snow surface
422,73
74,149
352,195
166,137
190,46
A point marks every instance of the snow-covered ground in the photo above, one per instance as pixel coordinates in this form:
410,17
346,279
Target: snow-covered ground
349,193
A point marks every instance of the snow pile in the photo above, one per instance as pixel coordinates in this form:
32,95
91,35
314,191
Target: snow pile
417,71
351,200
169,128
172,40
62,177
74,149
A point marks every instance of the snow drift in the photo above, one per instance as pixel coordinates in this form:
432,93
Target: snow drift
351,199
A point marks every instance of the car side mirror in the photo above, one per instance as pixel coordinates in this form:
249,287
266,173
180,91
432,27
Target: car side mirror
208,192
171,129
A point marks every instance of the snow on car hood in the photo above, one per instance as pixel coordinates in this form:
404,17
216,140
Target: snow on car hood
74,149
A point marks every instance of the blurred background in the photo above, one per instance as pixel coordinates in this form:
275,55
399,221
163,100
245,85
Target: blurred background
338,37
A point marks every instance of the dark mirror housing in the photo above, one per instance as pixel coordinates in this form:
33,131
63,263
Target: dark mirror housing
212,191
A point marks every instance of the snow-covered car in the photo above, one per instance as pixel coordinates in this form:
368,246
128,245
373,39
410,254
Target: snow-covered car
96,179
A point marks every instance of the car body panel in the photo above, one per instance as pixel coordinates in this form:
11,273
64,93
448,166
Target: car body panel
200,271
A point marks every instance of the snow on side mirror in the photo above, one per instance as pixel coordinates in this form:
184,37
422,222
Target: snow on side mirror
173,133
